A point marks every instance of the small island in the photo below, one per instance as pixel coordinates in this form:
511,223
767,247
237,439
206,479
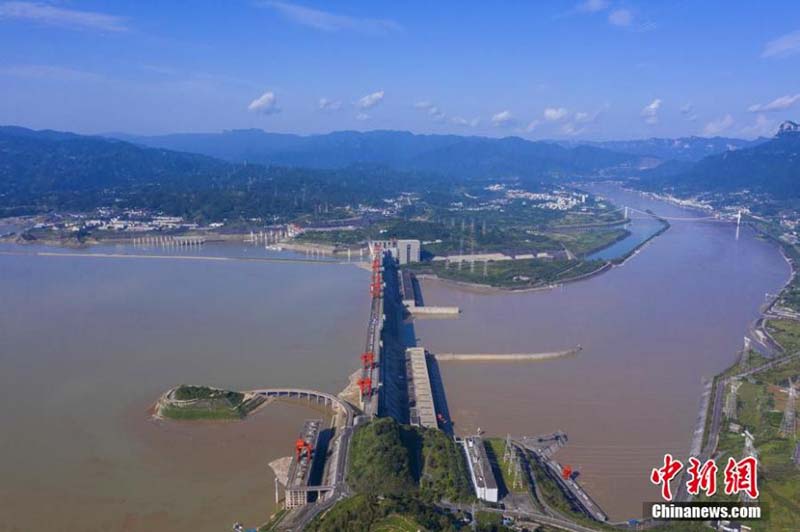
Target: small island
189,402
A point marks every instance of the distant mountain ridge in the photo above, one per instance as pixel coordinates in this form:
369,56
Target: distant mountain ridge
443,154
679,149
52,160
770,167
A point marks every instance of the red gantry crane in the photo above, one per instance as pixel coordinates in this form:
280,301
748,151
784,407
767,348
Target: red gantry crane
365,385
302,447
368,359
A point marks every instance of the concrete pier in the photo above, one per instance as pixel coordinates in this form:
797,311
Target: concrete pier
422,408
504,357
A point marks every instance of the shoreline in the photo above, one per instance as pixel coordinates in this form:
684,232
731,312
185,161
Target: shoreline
607,265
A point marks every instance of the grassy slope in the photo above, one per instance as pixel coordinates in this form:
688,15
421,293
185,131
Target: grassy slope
524,273
786,333
779,479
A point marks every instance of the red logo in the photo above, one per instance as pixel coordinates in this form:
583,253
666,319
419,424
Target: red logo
740,476
702,478
664,474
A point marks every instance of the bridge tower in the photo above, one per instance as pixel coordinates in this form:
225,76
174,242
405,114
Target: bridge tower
626,212
788,425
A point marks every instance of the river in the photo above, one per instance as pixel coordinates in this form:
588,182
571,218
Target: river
87,344
650,330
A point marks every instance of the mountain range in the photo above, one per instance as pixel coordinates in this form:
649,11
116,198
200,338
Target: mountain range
679,149
452,155
770,167
47,169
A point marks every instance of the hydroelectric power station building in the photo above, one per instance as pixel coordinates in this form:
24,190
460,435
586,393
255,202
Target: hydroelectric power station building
480,469
404,251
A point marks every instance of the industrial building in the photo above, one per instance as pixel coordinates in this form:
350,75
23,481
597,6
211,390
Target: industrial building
422,411
480,470
297,488
404,251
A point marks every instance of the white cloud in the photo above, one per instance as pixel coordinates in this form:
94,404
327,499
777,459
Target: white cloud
503,118
362,116
370,100
532,125
436,113
650,112
460,121
326,104
760,128
620,17
266,104
59,16
326,21
715,127
778,104
572,129
687,110
591,6
424,104
783,46
554,114
582,117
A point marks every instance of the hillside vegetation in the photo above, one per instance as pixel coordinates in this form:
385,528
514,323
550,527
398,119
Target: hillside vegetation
398,472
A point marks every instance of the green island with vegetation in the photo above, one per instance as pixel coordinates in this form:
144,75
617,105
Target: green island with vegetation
188,402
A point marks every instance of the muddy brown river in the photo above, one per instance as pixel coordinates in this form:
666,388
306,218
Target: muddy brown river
87,344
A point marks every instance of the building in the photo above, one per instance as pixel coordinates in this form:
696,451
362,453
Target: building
404,251
422,411
480,470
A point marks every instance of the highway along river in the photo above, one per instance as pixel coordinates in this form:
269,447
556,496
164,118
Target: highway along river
650,329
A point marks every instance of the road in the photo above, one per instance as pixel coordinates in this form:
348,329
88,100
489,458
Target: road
533,517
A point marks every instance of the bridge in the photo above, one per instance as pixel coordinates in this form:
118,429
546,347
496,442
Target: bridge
714,218
327,399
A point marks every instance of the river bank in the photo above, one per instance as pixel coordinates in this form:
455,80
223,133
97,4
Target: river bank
606,266
489,289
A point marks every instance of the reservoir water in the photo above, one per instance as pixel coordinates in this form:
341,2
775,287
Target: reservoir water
87,344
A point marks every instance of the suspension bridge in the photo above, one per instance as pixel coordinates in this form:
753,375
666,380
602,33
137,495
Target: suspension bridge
712,218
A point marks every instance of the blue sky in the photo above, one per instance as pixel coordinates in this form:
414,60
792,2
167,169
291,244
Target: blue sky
596,69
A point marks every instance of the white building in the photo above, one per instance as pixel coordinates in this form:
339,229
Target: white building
480,470
404,251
